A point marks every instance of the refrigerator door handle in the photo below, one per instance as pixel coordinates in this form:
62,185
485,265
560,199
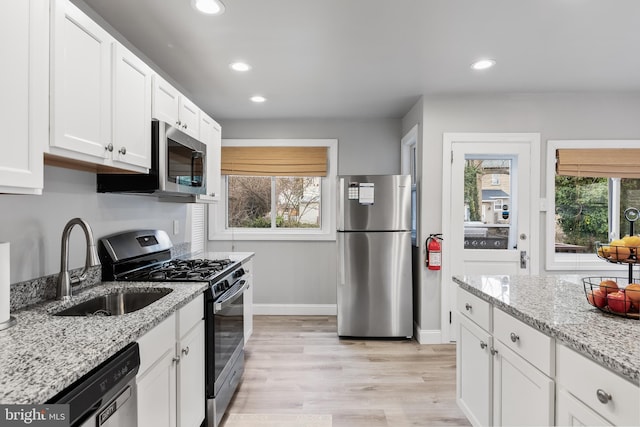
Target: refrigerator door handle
341,256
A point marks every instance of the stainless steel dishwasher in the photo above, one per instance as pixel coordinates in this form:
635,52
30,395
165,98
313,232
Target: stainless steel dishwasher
105,396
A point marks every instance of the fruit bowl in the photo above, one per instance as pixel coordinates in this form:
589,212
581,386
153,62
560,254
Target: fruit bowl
618,253
613,295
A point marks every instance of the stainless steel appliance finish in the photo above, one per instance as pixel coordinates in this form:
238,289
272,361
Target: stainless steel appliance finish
178,167
107,395
65,280
374,292
224,354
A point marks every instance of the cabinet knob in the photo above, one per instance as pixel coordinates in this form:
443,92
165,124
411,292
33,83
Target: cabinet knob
493,351
109,148
603,396
185,351
176,359
212,194
184,126
514,337
178,123
483,345
122,150
467,306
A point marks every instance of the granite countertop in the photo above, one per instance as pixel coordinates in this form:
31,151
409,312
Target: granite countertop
557,306
43,354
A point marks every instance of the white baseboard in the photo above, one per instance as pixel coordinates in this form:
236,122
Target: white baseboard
295,309
427,336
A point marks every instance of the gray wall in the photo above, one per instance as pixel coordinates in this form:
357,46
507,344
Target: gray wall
33,224
301,272
554,116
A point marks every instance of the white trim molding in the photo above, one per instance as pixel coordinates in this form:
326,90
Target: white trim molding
295,309
427,336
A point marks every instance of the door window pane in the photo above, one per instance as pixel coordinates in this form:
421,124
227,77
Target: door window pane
488,200
249,201
298,202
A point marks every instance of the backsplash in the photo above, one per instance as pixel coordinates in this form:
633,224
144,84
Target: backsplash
34,291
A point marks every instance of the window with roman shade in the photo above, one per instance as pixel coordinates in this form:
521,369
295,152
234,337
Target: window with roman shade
599,162
274,161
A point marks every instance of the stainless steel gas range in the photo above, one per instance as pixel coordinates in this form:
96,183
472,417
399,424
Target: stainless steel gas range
145,256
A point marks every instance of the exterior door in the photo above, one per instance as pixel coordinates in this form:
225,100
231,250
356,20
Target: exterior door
489,210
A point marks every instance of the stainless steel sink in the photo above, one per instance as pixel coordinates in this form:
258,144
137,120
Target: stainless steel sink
115,304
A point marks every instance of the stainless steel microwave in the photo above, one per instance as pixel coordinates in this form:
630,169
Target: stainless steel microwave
178,167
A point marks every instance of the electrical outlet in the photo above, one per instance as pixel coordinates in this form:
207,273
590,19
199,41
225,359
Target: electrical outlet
176,226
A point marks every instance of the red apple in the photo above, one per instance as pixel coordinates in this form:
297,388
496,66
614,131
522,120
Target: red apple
597,298
618,302
608,286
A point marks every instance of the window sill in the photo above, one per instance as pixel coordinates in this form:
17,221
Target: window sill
275,236
588,262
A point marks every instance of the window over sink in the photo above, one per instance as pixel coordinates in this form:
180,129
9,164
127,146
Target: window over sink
276,190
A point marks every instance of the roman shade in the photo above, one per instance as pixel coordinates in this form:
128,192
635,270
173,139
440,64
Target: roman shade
274,161
599,162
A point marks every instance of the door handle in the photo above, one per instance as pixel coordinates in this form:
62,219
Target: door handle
523,259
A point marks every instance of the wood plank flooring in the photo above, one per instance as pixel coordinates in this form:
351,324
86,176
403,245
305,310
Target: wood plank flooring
297,365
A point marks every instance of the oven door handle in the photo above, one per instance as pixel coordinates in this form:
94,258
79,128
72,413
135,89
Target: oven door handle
218,306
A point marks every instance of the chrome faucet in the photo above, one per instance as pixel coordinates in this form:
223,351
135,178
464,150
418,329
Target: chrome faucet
64,279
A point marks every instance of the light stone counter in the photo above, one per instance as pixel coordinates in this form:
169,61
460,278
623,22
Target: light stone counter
557,306
43,354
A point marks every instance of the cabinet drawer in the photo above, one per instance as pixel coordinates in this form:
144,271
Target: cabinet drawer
583,378
534,346
190,315
474,308
155,343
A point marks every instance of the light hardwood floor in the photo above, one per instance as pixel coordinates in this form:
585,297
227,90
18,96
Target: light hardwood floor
297,365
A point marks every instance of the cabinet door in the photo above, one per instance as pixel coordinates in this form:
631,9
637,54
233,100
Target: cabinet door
131,109
571,412
189,114
522,395
81,84
473,357
191,398
157,394
210,134
165,102
24,35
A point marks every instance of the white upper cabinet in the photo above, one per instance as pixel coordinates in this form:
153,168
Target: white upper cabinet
131,108
80,85
24,41
100,95
211,135
170,106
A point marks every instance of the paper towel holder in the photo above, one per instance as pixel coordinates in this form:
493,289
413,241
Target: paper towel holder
8,323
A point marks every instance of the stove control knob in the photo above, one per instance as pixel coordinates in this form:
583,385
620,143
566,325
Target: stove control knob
238,273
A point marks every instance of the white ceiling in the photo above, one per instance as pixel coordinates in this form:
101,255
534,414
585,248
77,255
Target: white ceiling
374,58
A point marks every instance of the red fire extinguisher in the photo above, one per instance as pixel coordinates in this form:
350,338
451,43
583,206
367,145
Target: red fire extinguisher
434,252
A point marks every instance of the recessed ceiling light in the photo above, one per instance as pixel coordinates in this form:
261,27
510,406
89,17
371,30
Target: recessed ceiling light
258,98
209,7
240,66
483,64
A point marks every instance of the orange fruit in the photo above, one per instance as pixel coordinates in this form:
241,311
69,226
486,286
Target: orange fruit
608,286
633,293
619,251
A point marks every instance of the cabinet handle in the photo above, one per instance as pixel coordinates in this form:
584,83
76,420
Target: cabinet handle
603,396
212,194
514,337
185,351
123,150
178,123
493,351
483,345
176,359
184,126
109,148
467,306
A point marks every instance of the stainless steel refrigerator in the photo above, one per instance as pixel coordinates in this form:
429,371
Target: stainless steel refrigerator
374,256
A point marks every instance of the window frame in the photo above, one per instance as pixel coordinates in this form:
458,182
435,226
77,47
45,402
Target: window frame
573,261
327,231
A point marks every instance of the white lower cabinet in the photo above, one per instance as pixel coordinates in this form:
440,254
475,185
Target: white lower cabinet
171,376
497,384
571,412
522,395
